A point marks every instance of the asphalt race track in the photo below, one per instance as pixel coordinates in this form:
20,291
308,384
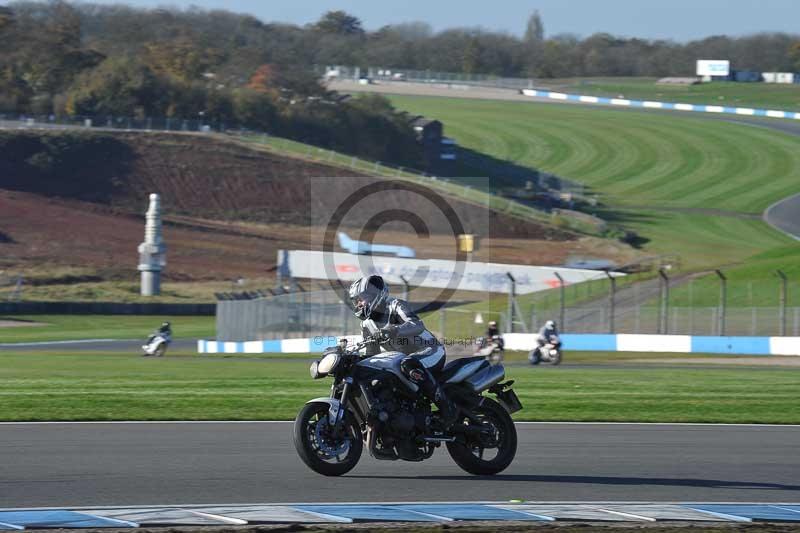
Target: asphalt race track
61,464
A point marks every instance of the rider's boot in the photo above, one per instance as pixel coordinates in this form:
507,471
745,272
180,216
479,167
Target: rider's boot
448,412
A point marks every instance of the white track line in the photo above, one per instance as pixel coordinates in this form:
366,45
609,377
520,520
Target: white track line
56,343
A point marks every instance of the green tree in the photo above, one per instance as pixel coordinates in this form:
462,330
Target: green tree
183,58
119,86
340,23
6,18
255,109
794,56
534,30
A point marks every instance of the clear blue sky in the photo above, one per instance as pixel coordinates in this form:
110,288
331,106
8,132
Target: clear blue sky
680,20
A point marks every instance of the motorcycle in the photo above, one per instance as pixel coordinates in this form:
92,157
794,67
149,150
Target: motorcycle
373,404
550,352
156,345
493,348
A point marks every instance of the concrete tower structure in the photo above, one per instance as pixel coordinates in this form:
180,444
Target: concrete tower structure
153,251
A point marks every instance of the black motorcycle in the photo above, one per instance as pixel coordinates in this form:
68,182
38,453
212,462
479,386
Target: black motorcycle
372,403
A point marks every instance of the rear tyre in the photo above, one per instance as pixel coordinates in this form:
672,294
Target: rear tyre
557,358
160,351
494,450
324,449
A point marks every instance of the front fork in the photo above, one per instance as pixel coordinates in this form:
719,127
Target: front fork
338,407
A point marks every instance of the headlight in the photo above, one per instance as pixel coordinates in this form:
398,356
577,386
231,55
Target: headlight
315,370
328,363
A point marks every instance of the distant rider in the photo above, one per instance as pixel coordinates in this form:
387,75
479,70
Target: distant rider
164,331
397,328
548,334
493,334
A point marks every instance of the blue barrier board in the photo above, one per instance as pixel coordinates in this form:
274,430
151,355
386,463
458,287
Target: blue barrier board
732,345
767,513
600,343
57,519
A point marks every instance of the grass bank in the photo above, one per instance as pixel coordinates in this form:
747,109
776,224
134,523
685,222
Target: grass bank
687,185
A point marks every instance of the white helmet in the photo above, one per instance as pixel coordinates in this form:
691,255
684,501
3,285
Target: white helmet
367,295
550,325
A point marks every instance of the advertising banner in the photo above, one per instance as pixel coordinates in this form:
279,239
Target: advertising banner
713,67
435,273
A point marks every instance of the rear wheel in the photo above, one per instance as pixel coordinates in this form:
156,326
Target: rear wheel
327,450
160,350
493,450
556,359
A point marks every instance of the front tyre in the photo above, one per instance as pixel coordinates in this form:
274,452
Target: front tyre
534,357
327,450
495,448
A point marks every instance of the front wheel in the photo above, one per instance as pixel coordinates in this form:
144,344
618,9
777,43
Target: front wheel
534,357
325,449
494,448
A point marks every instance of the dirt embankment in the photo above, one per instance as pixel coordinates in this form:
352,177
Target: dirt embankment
78,200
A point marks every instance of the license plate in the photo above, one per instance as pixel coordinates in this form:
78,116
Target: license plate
509,400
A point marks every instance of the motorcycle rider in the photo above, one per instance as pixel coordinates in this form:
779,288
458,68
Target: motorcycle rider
396,327
493,334
165,331
547,333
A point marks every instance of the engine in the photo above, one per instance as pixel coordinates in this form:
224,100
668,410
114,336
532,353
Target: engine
400,421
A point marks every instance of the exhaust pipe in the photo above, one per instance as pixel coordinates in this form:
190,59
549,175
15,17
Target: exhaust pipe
480,381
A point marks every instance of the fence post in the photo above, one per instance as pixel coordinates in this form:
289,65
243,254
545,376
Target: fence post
663,318
612,299
442,323
782,304
345,313
723,298
561,297
511,295
405,288
714,321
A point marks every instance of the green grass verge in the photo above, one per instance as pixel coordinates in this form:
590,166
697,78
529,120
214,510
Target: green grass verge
72,327
38,386
689,186
758,95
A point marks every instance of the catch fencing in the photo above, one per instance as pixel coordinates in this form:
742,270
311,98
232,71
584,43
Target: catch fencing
423,76
592,307
286,316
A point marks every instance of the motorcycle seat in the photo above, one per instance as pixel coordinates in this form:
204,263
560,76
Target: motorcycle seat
451,368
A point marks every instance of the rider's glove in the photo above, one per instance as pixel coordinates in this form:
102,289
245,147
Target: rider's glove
388,333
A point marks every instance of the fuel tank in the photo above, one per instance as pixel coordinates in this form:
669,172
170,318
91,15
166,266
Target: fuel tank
388,362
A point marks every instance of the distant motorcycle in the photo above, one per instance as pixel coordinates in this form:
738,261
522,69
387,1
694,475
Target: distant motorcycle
156,345
550,352
373,405
493,348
